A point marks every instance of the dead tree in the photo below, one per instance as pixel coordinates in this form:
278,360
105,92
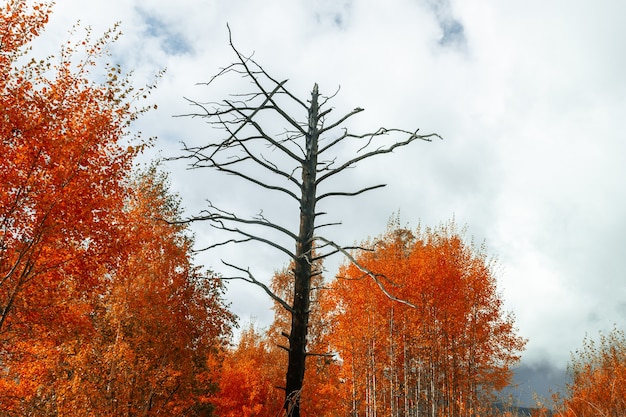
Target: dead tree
292,163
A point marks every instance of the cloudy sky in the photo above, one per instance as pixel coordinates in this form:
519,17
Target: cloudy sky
529,96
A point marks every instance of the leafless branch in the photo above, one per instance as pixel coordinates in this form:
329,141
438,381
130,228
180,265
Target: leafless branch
221,167
338,123
319,226
350,194
411,138
336,251
243,61
219,219
366,271
251,279
222,243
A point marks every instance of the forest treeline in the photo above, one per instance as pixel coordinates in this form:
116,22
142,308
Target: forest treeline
104,312
445,351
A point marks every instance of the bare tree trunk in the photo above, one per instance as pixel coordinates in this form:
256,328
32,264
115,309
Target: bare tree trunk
241,153
303,265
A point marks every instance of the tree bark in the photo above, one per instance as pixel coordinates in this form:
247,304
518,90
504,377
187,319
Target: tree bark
303,264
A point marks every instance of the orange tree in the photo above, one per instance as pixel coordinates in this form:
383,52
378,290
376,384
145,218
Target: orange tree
251,380
441,347
598,379
63,200
157,327
248,377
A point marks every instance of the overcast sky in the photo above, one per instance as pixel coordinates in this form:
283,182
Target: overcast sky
529,96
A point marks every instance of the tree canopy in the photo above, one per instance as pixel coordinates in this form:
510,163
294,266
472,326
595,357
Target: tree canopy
444,351
598,378
102,312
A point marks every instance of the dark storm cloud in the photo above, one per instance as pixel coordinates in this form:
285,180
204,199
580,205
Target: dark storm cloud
536,381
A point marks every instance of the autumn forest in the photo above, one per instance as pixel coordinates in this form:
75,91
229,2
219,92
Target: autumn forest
104,310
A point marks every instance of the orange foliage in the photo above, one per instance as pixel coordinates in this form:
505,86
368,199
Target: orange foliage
442,355
101,310
158,325
253,373
61,172
247,381
598,384
369,355
150,336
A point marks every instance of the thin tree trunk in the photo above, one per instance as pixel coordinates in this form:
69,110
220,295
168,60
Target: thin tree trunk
392,366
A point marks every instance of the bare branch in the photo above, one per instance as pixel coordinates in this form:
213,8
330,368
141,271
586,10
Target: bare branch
348,194
256,109
366,271
242,120
412,137
243,61
220,167
336,251
277,144
225,242
222,215
251,279
326,99
319,226
338,123
219,219
334,142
